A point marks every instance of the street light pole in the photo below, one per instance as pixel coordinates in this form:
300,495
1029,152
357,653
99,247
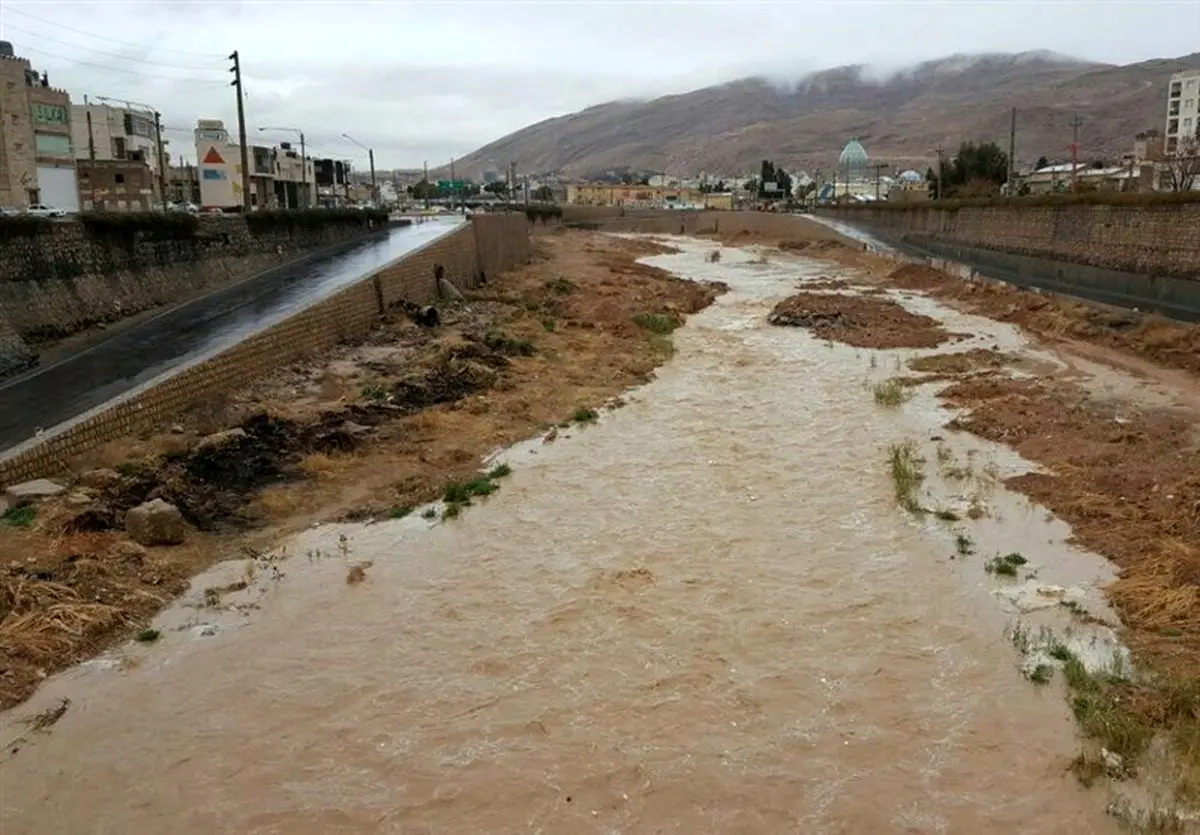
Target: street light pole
371,157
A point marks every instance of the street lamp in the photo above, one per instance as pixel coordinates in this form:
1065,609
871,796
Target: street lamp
162,175
303,161
371,157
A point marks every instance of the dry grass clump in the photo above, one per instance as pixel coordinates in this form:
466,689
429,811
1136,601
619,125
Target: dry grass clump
42,620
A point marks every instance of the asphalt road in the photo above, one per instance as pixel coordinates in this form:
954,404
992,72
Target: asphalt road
45,397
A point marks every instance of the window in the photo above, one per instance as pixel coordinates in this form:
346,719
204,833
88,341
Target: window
119,179
1190,104
52,144
1173,126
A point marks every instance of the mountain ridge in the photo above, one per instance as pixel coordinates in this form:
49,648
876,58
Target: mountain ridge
900,117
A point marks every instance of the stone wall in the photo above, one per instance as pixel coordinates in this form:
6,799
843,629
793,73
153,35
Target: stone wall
498,243
1149,239
67,278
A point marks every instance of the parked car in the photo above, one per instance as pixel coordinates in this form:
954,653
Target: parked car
42,210
8,211
189,208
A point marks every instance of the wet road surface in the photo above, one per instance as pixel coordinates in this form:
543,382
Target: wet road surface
45,397
704,615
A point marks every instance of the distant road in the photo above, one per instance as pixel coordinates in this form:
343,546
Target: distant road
45,397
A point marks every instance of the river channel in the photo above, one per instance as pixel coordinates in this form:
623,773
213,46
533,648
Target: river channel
703,614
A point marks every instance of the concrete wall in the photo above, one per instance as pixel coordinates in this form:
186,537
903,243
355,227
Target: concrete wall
67,278
498,242
1152,240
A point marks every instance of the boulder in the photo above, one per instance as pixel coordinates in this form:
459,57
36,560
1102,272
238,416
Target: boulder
100,479
155,523
447,290
220,439
32,491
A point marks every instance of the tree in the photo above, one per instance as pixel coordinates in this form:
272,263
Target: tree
751,186
784,181
1182,167
976,169
543,194
423,190
1041,163
498,188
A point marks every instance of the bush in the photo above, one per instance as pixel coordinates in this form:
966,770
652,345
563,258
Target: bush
543,212
23,226
129,226
309,219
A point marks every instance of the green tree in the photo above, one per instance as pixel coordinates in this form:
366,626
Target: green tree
751,186
976,169
1041,163
423,190
498,188
543,194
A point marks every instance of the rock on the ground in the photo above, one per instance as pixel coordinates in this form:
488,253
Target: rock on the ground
32,491
100,479
155,522
126,550
79,498
220,439
447,290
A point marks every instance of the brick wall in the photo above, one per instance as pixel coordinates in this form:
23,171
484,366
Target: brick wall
66,279
1150,240
14,353
347,316
667,222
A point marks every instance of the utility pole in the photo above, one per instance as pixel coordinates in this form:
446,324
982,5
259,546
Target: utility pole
940,151
91,139
1012,151
425,180
1075,123
879,166
452,189
162,166
303,173
236,69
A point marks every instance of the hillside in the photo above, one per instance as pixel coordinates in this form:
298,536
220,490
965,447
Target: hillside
729,128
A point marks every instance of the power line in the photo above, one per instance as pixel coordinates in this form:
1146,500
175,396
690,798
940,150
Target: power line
23,13
157,77
111,54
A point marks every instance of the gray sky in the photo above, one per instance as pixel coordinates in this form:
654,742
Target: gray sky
434,79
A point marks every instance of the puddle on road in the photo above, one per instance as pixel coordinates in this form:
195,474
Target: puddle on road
704,614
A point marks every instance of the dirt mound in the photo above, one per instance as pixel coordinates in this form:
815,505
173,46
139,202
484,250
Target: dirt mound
811,246
918,277
864,322
965,362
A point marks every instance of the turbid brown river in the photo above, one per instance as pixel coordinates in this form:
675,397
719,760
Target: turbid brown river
704,614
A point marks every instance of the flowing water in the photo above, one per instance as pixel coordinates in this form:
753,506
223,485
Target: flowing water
704,614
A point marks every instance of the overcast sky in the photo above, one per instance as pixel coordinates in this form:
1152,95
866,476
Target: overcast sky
430,80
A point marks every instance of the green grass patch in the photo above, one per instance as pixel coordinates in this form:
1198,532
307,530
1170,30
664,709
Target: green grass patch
963,544
373,393
946,515
905,466
19,517
585,415
499,471
658,323
1005,566
549,325
429,513
399,512
147,636
561,286
452,511
890,393
502,343
1041,674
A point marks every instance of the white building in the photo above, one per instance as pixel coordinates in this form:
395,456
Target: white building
115,133
1183,108
219,162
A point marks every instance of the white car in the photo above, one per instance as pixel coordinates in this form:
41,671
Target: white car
42,210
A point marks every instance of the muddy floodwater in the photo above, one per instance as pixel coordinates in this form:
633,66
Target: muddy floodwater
703,614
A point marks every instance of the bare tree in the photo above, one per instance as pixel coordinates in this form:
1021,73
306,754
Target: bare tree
1183,166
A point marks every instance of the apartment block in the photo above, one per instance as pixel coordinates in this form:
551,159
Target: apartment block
106,133
37,163
1183,108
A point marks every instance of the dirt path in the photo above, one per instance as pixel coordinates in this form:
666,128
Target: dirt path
366,433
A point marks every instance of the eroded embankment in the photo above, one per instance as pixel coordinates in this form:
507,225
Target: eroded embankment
371,431
1119,463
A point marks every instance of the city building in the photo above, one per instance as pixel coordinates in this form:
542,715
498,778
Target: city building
908,187
1183,108
116,186
37,164
219,166
332,178
183,183
280,177
645,197
104,132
